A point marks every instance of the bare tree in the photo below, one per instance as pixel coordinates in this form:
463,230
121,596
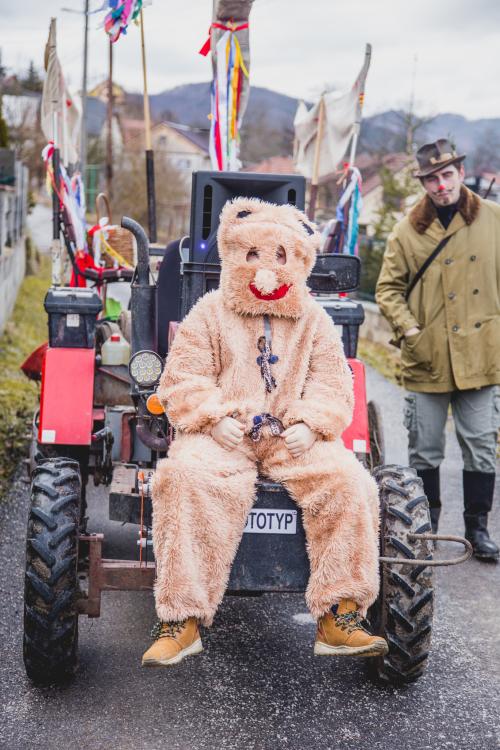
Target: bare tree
172,194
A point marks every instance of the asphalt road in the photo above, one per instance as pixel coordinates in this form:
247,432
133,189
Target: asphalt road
257,686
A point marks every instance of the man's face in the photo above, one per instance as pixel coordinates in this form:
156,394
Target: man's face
443,186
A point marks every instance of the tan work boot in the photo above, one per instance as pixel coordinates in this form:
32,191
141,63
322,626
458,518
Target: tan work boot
341,634
173,641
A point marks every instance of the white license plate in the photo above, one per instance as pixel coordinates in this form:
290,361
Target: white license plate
271,521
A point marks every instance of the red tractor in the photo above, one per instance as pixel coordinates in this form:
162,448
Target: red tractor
99,417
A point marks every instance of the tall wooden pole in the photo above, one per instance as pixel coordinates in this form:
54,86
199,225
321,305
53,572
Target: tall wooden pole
109,143
150,167
83,142
315,175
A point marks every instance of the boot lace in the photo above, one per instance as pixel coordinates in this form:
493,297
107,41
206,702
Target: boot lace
166,629
349,621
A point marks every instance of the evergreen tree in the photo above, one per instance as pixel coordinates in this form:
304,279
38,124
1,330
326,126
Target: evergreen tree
4,131
32,81
396,189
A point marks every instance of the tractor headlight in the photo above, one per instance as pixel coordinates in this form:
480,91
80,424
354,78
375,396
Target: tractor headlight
145,368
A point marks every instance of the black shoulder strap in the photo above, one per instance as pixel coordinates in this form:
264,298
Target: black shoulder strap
423,268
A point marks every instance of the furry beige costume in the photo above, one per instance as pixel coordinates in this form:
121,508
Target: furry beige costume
202,493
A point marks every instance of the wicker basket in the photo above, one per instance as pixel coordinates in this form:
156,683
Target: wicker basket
121,240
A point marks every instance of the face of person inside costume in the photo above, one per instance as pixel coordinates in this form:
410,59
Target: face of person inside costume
443,186
267,253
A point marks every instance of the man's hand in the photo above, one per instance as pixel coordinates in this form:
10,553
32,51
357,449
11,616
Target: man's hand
228,433
299,438
412,331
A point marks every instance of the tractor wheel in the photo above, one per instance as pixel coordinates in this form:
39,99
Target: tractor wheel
377,444
51,584
403,611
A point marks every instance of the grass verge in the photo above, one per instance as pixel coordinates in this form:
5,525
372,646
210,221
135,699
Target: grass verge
382,359
26,329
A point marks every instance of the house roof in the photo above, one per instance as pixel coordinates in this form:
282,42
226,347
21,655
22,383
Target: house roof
198,136
370,167
133,129
274,165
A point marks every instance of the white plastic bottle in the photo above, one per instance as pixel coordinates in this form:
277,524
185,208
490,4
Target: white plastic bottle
115,350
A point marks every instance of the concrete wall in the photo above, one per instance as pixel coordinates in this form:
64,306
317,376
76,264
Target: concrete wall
13,211
12,269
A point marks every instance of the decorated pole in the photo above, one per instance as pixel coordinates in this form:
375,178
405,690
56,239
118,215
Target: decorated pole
115,24
150,167
359,108
109,140
228,41
313,195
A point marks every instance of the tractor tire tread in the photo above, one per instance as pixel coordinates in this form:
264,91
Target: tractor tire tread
403,612
51,588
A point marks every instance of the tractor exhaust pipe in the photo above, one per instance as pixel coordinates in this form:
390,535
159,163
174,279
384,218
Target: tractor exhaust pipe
143,294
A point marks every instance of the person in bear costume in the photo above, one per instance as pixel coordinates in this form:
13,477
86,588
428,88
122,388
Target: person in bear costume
257,383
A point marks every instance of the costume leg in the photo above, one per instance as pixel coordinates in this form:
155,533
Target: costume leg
339,501
202,494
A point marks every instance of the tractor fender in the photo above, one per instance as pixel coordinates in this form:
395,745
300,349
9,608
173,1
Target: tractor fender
357,436
66,398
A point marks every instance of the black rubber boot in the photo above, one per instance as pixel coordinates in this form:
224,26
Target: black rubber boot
478,499
430,479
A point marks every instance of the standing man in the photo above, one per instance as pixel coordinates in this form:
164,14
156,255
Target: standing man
446,318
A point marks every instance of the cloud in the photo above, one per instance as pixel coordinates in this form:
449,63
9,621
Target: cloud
296,48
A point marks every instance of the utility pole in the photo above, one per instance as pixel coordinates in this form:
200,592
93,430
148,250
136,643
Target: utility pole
83,144
410,124
109,145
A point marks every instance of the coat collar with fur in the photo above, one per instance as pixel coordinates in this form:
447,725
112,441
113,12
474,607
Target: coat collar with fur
424,213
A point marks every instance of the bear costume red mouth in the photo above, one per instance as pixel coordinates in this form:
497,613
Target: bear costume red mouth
278,293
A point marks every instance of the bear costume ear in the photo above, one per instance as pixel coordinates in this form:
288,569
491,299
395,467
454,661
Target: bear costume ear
238,209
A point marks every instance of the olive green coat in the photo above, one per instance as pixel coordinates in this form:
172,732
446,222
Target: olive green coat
456,304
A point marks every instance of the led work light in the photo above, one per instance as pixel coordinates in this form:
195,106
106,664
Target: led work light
145,368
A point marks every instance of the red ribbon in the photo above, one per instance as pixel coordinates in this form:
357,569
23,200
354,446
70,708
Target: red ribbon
206,47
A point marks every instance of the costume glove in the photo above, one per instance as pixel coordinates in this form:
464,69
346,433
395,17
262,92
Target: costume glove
228,433
299,438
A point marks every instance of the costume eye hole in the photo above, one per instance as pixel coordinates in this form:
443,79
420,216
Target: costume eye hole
252,255
308,229
242,214
281,255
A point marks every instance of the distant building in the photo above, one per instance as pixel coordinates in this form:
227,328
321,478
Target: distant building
21,111
330,188
101,92
185,147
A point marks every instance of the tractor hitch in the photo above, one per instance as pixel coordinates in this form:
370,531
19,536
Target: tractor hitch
434,563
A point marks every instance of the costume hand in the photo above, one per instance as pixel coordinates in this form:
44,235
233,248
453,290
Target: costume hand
299,438
228,433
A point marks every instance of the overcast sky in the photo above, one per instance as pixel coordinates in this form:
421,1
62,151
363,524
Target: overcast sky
296,48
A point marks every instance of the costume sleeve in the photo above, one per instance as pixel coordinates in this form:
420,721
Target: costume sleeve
188,387
391,287
327,402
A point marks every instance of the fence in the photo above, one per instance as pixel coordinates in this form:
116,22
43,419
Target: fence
13,210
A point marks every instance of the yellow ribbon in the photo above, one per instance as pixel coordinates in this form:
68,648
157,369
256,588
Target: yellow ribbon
115,254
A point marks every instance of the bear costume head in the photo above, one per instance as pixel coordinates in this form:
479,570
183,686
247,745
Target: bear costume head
267,253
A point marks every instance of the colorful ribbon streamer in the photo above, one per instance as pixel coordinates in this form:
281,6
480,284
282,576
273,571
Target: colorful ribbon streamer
121,13
226,97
